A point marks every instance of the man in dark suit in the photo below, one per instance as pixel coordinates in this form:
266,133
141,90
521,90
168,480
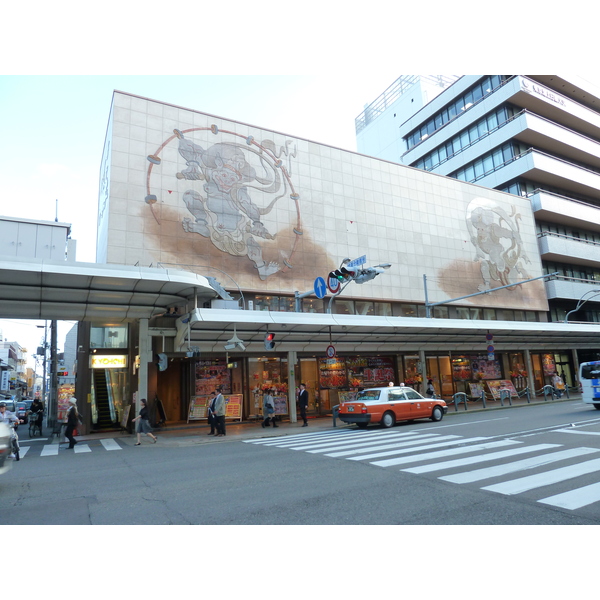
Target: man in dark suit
303,402
212,419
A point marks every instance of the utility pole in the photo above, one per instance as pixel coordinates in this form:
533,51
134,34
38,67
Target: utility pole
53,398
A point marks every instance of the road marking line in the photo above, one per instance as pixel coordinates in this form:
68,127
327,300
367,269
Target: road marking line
355,443
80,448
23,451
575,498
520,465
49,450
110,444
516,486
394,461
470,460
399,444
335,438
576,431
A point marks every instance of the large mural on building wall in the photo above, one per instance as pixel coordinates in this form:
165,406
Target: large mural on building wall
233,185
498,245
273,212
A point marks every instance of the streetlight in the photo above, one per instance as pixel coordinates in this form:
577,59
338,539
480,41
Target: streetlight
581,302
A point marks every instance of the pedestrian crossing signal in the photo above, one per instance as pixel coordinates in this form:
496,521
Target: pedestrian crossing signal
269,341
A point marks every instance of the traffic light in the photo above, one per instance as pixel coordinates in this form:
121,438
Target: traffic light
63,373
269,341
342,274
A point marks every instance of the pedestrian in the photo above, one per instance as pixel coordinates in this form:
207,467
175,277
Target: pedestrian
212,418
220,406
269,409
430,391
303,403
37,413
558,384
71,419
143,423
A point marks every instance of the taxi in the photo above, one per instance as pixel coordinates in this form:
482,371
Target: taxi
388,405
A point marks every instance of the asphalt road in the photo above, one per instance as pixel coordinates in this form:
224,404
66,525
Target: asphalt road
325,477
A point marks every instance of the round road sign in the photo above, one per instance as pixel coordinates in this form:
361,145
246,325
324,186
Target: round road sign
330,351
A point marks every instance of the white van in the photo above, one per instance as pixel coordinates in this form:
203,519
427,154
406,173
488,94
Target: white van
589,378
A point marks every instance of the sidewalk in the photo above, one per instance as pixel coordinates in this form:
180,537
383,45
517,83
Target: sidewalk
197,432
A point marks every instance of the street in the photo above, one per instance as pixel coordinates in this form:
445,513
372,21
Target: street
531,465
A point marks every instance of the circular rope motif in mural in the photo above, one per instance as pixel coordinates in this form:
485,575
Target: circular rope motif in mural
234,184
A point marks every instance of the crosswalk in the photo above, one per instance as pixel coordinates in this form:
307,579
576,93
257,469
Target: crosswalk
80,448
497,465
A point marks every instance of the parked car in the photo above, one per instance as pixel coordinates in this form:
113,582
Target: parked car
5,448
388,405
22,411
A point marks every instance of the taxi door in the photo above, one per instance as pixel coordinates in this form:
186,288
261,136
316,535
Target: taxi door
399,403
419,406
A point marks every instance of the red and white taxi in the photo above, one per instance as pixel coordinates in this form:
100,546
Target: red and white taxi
388,405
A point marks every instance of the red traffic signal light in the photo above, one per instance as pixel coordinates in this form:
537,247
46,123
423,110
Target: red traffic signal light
269,341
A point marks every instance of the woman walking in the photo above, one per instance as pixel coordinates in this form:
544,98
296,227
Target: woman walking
143,423
269,409
71,419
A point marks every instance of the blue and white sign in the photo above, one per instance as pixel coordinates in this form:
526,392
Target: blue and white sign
320,287
357,262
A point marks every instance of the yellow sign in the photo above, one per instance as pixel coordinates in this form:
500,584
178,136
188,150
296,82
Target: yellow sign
108,361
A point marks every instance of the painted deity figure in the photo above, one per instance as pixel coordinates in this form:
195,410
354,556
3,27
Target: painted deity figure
226,213
497,241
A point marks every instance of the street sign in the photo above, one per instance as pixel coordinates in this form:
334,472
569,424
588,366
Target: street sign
330,351
333,285
320,287
357,262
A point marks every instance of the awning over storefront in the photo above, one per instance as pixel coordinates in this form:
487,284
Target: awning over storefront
210,329
32,289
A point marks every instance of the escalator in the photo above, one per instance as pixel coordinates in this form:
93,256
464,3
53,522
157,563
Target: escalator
105,411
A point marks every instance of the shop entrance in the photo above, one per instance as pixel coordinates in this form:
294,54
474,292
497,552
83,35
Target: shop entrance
440,371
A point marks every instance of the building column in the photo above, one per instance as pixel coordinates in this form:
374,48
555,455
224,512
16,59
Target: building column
291,358
530,379
423,362
145,350
575,367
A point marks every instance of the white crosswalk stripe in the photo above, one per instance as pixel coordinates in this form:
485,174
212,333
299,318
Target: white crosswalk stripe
80,448
441,452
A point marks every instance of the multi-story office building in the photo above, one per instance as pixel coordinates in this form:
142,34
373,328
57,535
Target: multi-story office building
535,136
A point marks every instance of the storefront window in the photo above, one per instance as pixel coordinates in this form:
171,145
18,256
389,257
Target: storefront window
383,309
364,308
407,310
311,305
343,307
108,336
268,374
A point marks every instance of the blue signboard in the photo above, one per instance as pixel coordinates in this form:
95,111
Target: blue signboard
320,287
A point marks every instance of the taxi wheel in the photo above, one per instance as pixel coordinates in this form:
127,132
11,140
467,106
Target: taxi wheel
597,406
437,414
388,420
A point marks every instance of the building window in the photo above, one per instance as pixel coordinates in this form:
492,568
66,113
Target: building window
108,336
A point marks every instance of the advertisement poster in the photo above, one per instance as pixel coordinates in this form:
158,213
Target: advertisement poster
370,371
332,373
476,390
211,374
548,364
198,408
233,408
65,391
281,405
486,369
502,384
